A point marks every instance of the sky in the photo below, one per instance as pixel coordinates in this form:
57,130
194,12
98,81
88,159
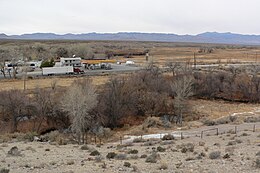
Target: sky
111,16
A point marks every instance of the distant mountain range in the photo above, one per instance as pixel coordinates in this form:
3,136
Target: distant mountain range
207,37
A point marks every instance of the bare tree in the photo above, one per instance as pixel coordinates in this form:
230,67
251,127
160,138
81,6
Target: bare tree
78,101
182,88
14,103
43,105
3,56
115,101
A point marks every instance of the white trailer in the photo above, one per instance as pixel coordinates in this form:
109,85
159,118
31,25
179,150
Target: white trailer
57,70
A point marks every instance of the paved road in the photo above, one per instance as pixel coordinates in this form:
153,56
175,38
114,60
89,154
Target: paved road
125,68
115,69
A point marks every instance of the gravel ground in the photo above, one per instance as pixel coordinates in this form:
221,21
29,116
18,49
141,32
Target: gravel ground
192,154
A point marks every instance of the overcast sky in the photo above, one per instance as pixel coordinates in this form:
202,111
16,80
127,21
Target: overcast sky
166,16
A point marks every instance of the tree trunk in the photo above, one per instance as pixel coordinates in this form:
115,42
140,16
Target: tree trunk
14,124
14,72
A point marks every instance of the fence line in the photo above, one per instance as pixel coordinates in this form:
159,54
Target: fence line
201,133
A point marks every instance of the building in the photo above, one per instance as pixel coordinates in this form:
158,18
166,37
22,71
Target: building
75,62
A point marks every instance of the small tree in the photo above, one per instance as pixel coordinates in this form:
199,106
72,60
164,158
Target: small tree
78,101
182,88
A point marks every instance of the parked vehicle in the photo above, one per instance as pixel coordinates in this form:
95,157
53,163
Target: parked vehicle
129,63
78,71
48,71
105,66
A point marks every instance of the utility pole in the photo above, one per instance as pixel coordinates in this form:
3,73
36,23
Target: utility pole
25,74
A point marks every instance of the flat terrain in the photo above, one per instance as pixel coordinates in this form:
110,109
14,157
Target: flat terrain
159,53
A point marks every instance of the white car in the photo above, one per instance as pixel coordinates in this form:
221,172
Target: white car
129,63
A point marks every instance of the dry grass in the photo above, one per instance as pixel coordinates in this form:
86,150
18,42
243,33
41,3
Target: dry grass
228,55
46,82
218,108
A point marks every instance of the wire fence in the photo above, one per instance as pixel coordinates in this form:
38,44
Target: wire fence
203,133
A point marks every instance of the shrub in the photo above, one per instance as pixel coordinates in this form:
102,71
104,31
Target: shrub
127,164
226,156
135,169
245,134
30,136
231,143
258,153
208,122
143,156
53,136
133,152
190,158
161,149
215,155
150,143
95,153
189,147
139,140
98,158
50,63
135,156
257,163
70,162
239,141
4,170
153,158
84,147
14,152
252,119
152,122
168,137
111,155
201,143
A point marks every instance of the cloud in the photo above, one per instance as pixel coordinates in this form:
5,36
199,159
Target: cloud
168,16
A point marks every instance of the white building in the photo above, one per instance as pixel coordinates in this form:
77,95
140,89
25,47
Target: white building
75,62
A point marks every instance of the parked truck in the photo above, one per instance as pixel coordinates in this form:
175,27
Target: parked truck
105,66
48,71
